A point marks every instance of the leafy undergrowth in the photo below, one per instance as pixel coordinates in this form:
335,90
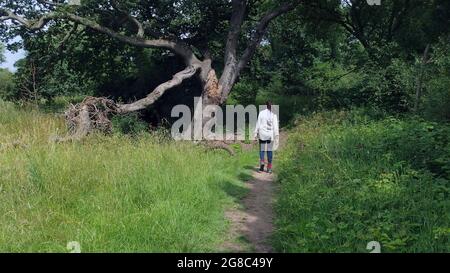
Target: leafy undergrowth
347,179
109,193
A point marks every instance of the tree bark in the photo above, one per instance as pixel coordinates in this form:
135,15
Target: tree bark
159,91
229,74
234,66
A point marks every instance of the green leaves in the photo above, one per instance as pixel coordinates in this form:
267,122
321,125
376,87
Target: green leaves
384,185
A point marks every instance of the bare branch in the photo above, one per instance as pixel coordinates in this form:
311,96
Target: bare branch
51,3
159,91
11,16
131,18
258,34
68,35
181,49
229,73
237,19
261,29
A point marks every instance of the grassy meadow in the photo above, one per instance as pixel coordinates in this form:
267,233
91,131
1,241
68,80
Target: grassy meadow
110,193
347,178
344,179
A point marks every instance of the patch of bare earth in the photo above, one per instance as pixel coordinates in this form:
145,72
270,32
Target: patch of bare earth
254,220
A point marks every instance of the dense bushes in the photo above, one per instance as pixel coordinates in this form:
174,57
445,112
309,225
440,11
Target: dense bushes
424,145
35,82
328,85
390,88
436,104
323,81
347,179
129,124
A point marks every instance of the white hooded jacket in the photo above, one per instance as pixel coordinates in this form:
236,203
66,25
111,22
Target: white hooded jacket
267,126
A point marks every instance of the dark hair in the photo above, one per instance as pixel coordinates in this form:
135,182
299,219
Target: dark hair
269,105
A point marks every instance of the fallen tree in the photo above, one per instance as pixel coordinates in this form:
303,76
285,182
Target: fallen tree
94,113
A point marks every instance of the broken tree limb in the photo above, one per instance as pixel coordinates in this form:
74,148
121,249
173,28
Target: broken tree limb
90,115
37,24
94,114
159,91
219,145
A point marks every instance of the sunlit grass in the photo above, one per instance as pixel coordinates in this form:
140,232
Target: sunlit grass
110,193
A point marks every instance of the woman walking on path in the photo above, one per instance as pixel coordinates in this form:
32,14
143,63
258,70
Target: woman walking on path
267,132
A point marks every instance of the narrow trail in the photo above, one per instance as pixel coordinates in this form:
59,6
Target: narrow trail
254,221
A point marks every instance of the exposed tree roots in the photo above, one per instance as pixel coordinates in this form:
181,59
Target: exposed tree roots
93,114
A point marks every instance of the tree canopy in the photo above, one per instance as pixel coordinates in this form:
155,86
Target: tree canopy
330,52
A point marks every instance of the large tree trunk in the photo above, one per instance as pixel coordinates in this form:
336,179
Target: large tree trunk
211,96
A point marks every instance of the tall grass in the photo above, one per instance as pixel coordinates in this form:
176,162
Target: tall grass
346,179
109,193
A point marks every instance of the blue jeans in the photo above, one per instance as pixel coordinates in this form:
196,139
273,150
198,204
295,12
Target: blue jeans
265,145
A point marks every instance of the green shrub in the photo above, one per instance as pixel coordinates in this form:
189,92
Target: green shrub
424,145
37,83
129,124
244,92
437,88
437,101
346,179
